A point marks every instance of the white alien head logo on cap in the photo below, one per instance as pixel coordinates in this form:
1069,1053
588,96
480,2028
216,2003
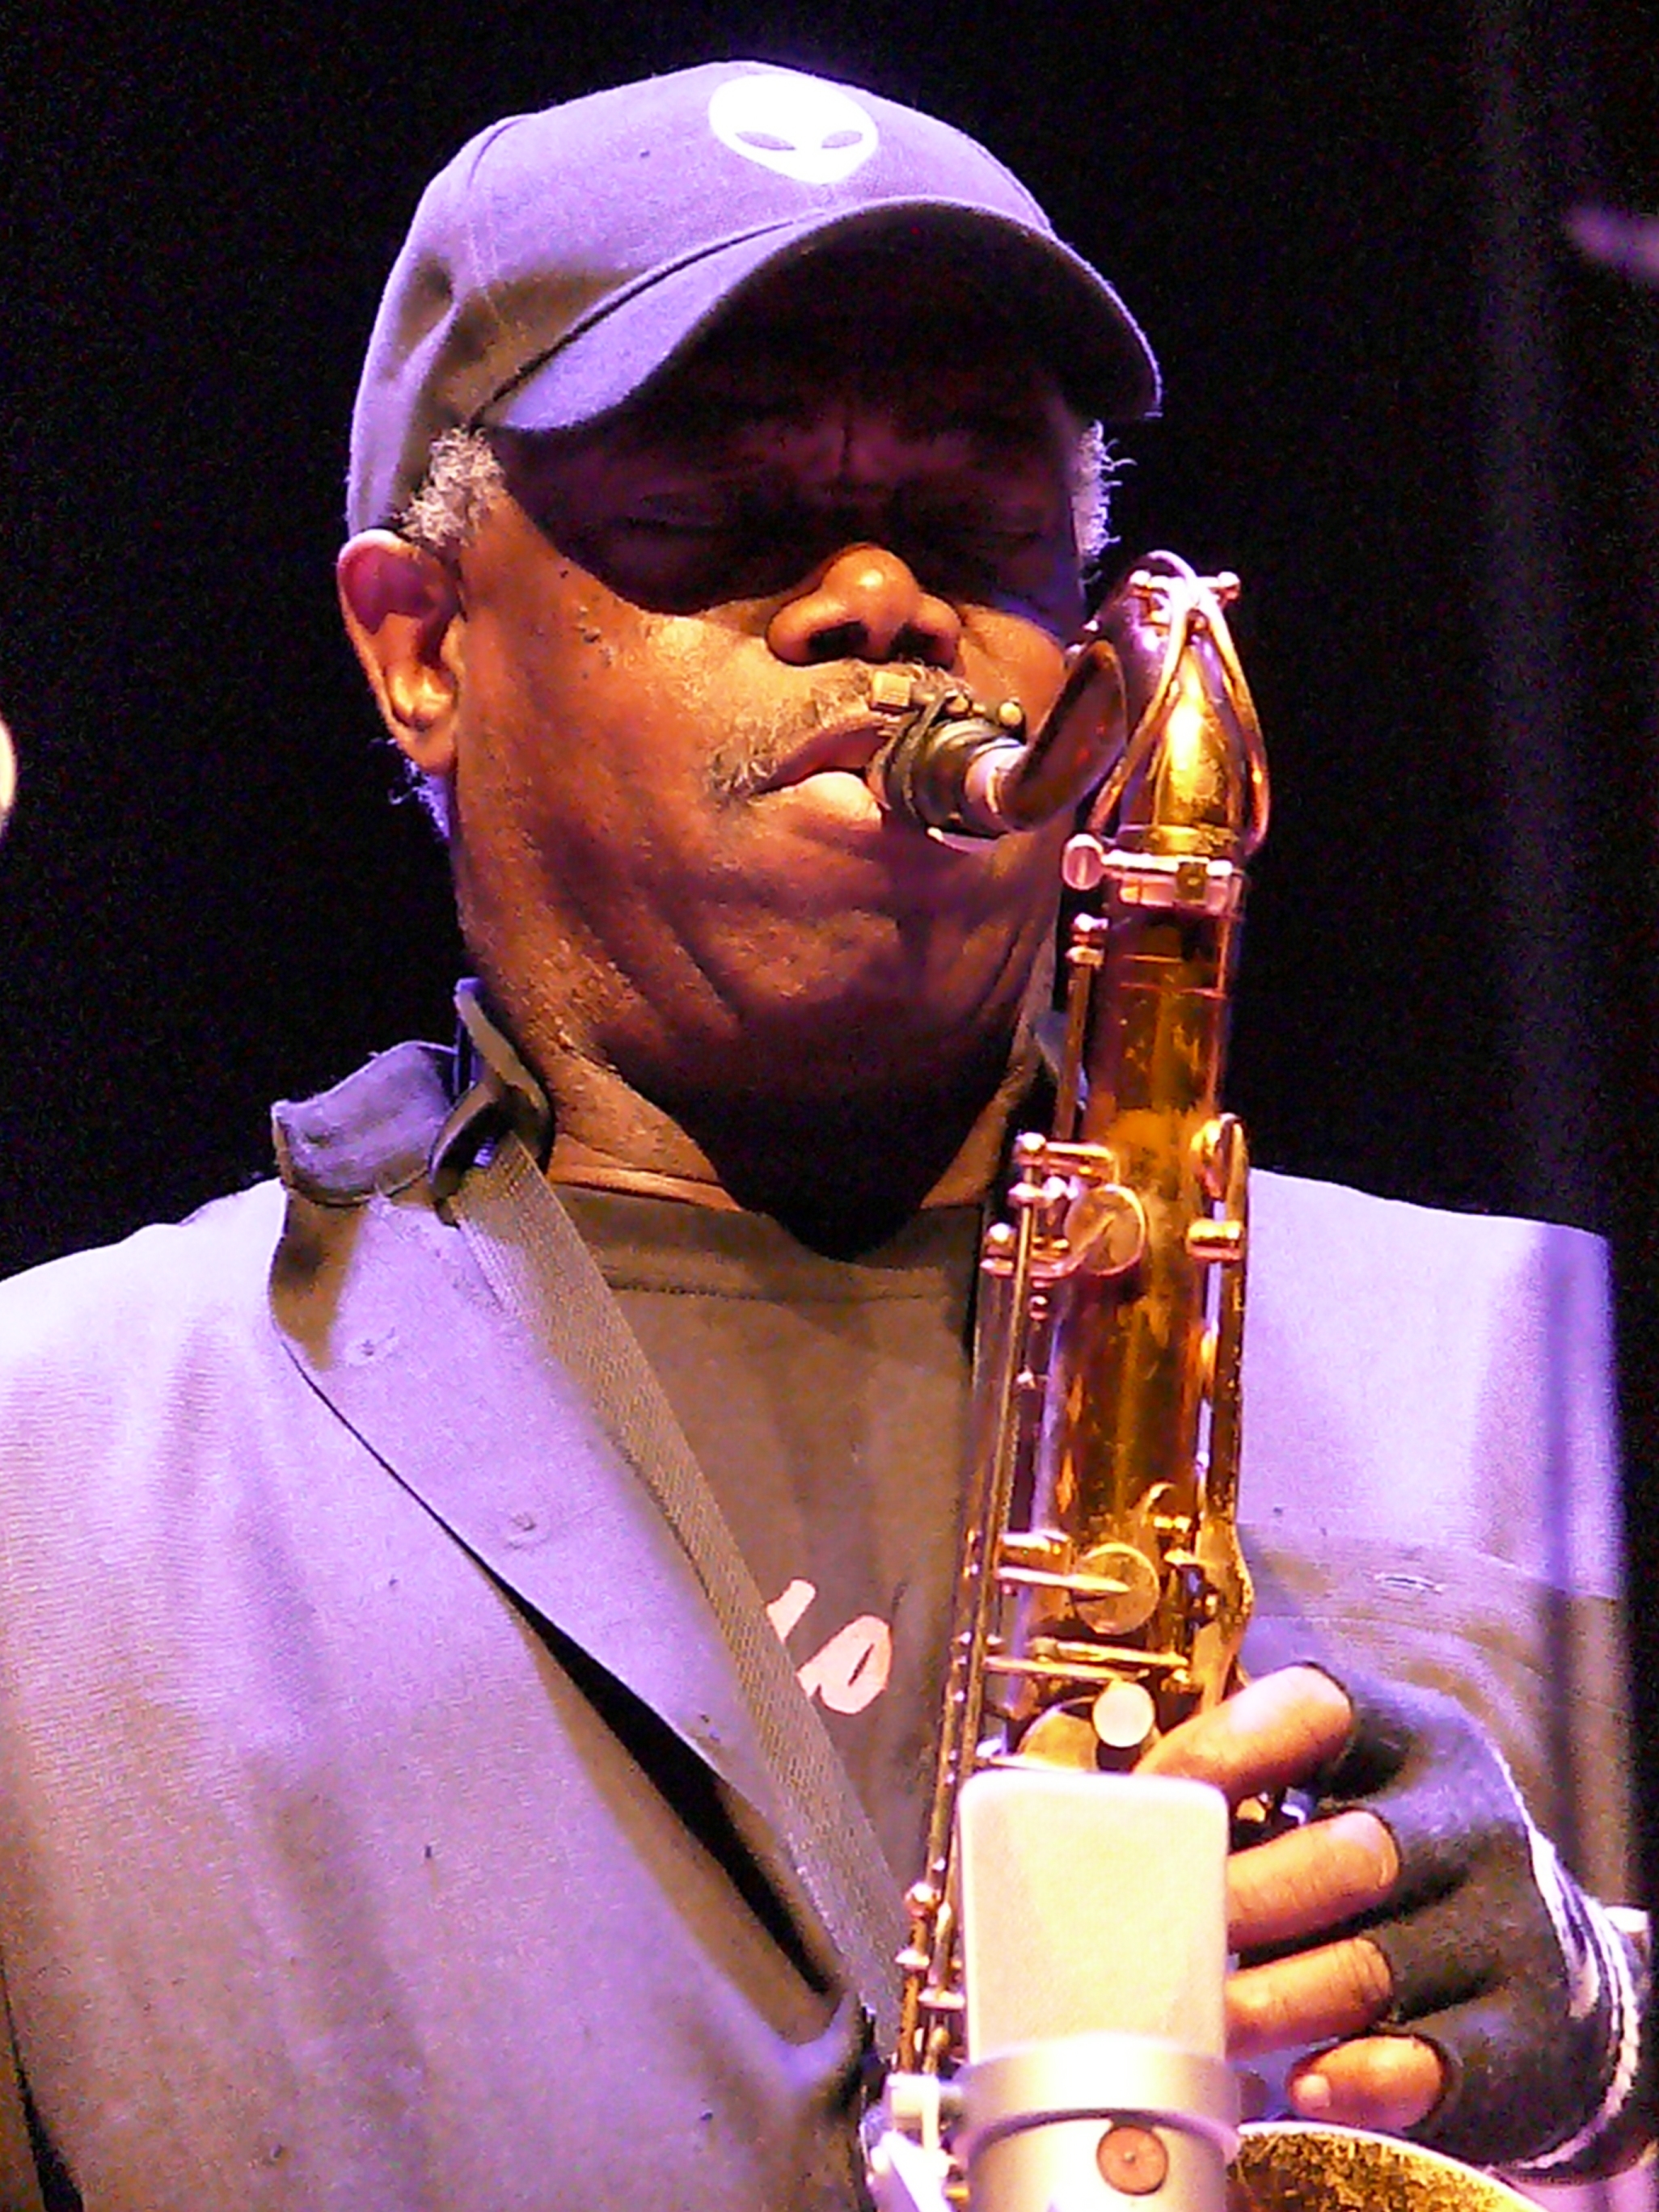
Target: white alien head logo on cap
801,127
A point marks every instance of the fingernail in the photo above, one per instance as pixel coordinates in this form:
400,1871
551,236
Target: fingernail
1311,2094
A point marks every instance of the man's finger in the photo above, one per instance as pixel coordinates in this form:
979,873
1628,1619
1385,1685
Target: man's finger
1308,1880
1317,1996
1274,1732
1384,2081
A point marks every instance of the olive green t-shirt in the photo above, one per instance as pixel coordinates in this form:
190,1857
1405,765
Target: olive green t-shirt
827,1402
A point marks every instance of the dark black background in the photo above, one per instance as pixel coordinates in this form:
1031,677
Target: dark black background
207,899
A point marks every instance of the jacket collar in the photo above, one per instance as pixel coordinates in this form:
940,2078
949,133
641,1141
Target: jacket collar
383,1309
416,1112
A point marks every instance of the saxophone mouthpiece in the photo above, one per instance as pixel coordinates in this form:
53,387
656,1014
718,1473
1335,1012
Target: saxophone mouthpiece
943,767
964,770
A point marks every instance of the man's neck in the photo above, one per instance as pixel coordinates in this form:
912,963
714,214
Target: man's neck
841,1177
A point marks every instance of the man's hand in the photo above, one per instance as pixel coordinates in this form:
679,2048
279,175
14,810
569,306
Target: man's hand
1277,1734
1419,1931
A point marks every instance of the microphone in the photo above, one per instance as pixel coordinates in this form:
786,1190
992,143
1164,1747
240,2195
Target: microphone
1094,1957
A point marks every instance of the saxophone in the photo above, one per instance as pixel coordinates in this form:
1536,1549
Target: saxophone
1103,1595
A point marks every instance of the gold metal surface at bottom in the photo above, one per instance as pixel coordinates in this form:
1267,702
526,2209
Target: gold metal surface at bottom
1297,2167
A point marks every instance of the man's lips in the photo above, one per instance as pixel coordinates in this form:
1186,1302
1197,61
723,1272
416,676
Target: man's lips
848,740
849,743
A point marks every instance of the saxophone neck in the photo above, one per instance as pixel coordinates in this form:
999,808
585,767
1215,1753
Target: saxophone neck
1191,775
1154,714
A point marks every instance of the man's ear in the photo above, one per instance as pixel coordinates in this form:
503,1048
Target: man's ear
403,613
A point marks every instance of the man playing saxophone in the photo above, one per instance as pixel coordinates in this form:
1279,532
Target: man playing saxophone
410,1801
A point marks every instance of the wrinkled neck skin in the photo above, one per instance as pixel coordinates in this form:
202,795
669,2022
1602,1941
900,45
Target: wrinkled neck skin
841,1162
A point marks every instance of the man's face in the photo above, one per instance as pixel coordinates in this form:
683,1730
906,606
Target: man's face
666,857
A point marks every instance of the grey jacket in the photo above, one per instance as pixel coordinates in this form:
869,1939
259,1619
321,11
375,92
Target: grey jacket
344,1865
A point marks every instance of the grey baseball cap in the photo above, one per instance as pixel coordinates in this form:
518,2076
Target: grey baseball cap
562,258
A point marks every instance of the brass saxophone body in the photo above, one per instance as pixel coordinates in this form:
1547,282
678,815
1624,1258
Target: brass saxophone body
1103,1594
1131,1595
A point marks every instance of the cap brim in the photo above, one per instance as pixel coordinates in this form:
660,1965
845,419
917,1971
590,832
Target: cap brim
1073,320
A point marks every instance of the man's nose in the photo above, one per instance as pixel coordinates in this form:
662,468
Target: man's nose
867,604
